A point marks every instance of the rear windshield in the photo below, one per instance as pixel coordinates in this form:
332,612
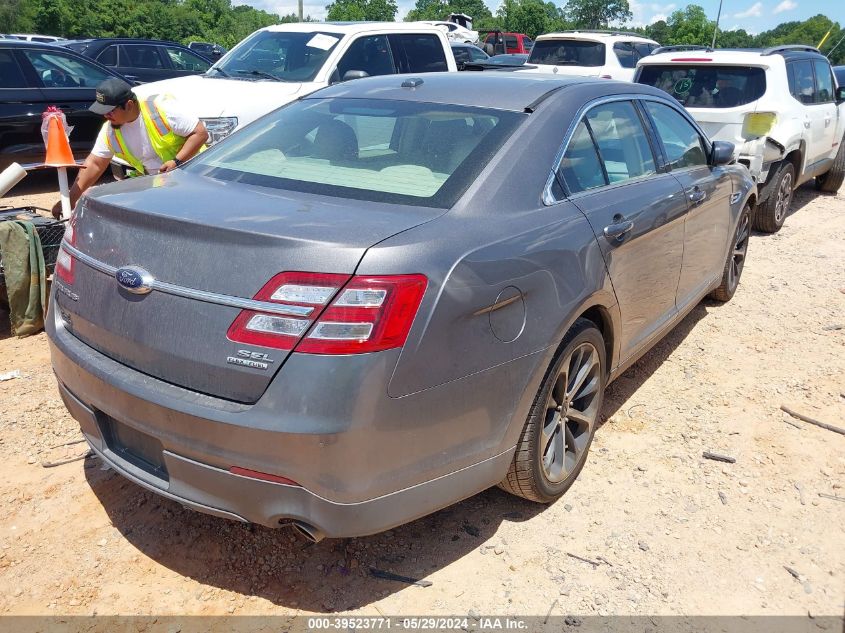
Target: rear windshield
280,56
383,151
707,86
567,52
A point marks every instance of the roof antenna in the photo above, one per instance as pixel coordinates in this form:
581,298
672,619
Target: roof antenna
716,28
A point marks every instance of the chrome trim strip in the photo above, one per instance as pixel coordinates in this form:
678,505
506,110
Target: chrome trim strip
199,295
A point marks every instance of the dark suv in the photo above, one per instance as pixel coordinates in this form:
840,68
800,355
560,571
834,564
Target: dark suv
34,76
143,60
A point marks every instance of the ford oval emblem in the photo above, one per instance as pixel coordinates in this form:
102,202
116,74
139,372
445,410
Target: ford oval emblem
134,279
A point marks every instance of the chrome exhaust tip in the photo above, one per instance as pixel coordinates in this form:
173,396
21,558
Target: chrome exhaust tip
308,531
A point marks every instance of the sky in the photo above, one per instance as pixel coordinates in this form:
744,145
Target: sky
752,15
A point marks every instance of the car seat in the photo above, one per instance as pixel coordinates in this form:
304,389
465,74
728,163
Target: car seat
335,141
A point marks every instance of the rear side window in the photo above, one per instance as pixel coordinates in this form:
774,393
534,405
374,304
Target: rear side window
625,54
581,168
423,53
623,147
567,52
824,82
697,86
510,41
10,73
370,54
140,56
108,56
680,140
801,82
396,152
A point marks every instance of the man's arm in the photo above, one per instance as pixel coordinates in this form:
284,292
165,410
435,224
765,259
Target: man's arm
89,175
193,142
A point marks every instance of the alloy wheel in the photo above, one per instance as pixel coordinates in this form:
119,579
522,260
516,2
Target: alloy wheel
571,413
740,250
784,197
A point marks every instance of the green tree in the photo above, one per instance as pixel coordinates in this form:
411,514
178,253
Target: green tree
357,10
597,14
658,31
690,26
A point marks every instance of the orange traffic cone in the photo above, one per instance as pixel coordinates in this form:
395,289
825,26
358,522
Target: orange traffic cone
58,147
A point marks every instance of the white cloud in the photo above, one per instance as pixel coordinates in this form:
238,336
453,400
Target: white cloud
657,17
786,5
754,11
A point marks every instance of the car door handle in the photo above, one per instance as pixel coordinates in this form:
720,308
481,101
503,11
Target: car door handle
807,124
617,230
697,196
827,121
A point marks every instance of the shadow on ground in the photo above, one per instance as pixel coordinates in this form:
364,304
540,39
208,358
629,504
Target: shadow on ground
333,575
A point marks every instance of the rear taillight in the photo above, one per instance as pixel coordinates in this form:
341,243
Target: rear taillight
306,294
64,260
367,314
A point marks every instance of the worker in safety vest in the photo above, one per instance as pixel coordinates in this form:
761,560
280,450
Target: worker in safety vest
153,136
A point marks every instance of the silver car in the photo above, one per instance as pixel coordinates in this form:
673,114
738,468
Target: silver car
390,295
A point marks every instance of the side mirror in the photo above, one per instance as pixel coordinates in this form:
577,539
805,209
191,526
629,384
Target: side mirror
840,94
722,153
355,74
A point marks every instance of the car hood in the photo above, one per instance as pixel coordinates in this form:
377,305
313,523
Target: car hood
210,96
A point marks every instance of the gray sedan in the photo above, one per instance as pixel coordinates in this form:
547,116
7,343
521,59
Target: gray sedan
390,295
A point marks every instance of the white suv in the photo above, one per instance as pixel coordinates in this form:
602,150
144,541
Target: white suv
280,63
607,54
780,107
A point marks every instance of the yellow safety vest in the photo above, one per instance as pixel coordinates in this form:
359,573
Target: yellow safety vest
166,144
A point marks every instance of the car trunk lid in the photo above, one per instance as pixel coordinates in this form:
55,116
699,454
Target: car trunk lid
209,242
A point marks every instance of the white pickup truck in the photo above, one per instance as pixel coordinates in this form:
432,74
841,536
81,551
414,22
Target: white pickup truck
280,63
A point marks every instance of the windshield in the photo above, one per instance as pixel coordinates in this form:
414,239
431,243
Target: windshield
280,56
384,151
707,86
567,52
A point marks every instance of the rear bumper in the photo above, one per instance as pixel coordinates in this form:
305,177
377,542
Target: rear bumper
364,466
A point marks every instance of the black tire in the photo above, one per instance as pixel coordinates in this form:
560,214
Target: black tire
771,213
735,261
833,179
554,443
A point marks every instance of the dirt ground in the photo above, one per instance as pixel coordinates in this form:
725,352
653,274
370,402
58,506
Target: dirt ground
669,531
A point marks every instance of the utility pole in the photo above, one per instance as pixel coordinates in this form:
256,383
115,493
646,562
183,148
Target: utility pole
300,10
715,29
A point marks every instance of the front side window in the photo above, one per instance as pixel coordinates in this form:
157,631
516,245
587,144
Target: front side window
705,86
58,70
370,54
681,142
824,82
399,152
10,73
461,54
802,85
567,52
140,56
280,55
477,54
185,60
621,140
